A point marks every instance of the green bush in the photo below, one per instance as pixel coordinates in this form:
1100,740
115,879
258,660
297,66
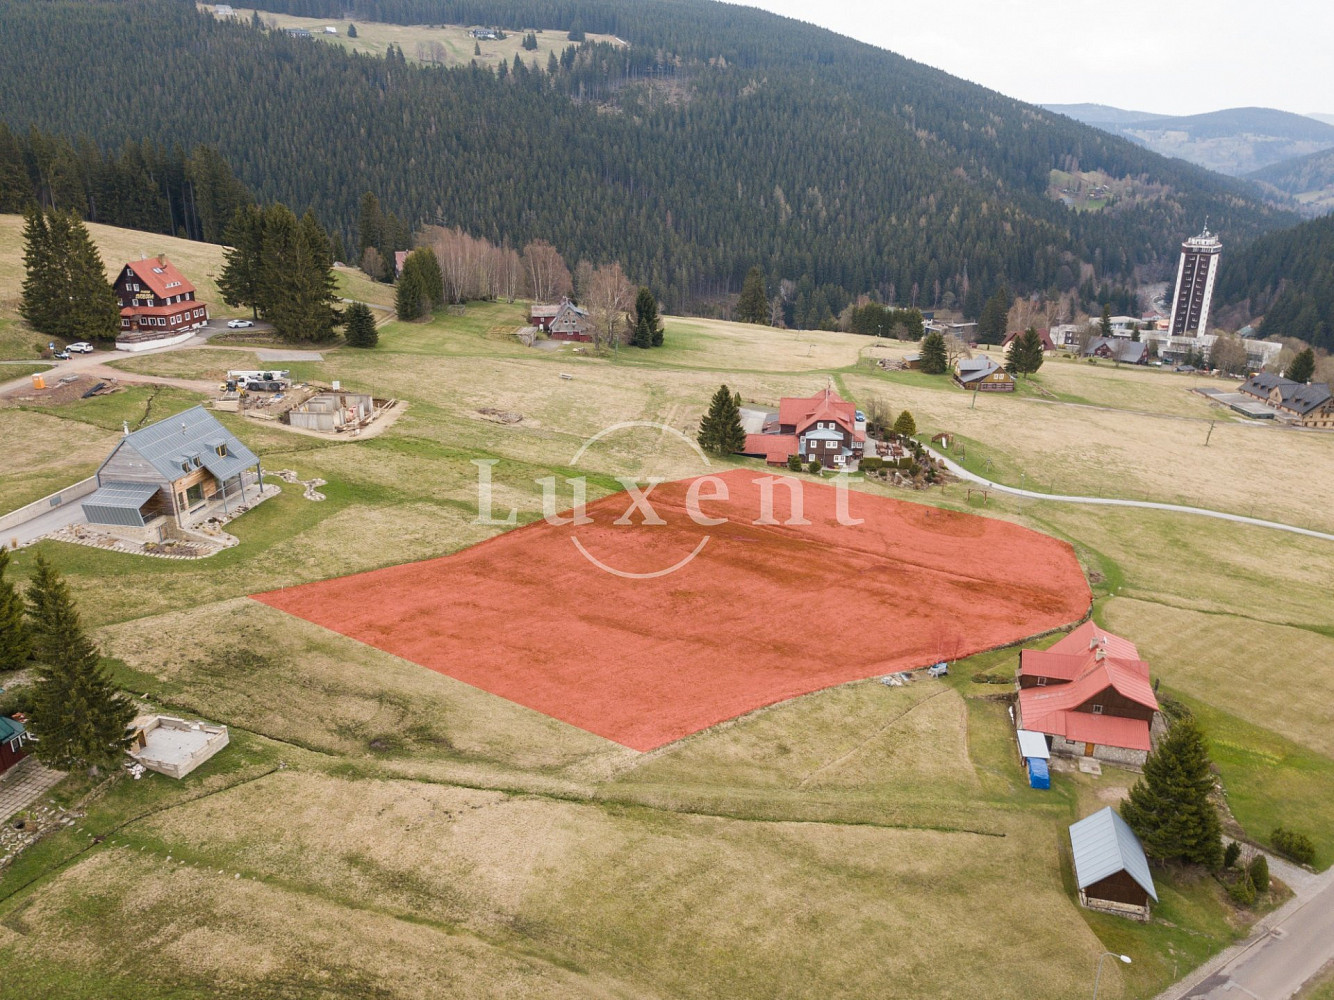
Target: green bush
814,467
1294,845
872,464
1259,873
794,463
1242,891
985,678
1231,854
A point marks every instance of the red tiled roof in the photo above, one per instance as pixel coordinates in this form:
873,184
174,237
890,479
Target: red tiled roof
1130,678
801,412
1085,727
1080,640
1058,666
774,447
161,276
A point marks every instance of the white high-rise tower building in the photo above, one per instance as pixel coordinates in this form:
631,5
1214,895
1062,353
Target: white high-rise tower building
1195,284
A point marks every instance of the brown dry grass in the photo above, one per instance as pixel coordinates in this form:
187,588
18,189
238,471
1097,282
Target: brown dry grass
1275,677
1097,452
374,38
243,661
40,454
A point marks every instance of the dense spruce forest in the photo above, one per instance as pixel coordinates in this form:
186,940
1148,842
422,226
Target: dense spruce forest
139,186
720,138
1289,277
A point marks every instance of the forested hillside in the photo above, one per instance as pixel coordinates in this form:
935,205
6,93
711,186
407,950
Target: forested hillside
721,138
1289,277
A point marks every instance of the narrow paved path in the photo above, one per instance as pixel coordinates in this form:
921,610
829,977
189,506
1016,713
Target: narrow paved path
971,477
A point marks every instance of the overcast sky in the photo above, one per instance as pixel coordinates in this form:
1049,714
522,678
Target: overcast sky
1182,58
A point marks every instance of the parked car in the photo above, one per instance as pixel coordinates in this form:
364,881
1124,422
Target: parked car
61,355
238,324
82,347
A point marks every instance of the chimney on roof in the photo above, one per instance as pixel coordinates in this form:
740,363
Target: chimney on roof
162,260
1099,655
125,426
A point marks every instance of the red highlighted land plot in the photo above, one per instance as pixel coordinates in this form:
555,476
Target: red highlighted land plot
763,613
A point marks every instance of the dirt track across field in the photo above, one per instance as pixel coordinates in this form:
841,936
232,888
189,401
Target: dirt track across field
761,614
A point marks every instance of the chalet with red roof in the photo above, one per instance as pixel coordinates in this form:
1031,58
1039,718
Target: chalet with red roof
1090,695
157,305
824,427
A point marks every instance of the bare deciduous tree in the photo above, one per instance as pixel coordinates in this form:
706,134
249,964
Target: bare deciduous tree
548,277
609,296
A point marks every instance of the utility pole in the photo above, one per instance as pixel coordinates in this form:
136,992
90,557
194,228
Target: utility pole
1210,434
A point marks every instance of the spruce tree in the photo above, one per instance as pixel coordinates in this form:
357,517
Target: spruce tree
905,425
647,329
1302,367
995,317
720,429
40,304
351,31
1169,807
935,361
94,310
14,643
239,283
1026,355
359,326
421,286
1106,322
753,306
78,715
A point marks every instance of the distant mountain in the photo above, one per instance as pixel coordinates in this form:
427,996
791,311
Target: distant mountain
715,138
1236,141
1100,114
1308,180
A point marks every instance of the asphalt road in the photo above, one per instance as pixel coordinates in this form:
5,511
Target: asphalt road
1284,951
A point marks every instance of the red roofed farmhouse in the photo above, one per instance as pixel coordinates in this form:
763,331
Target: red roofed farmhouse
824,427
157,305
1090,695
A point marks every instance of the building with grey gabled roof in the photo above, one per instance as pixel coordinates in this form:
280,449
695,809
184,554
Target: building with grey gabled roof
176,469
1110,867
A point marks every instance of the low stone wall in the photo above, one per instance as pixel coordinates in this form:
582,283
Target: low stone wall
1132,759
1140,913
67,495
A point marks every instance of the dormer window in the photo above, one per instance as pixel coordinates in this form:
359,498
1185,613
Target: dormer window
222,451
1097,710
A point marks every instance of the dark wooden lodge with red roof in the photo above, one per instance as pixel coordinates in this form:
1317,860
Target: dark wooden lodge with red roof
157,305
1090,695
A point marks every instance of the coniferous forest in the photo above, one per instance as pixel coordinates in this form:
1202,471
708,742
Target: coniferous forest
720,139
1289,277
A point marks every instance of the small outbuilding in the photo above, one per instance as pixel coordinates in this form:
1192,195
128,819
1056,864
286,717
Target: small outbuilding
1110,867
14,739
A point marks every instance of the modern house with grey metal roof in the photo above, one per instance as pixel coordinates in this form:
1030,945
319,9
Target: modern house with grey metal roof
174,472
1110,867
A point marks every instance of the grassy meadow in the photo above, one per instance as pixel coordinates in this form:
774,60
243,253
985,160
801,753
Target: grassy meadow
425,838
441,44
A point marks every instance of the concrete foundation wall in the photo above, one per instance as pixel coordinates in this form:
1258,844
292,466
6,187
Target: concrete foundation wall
79,490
